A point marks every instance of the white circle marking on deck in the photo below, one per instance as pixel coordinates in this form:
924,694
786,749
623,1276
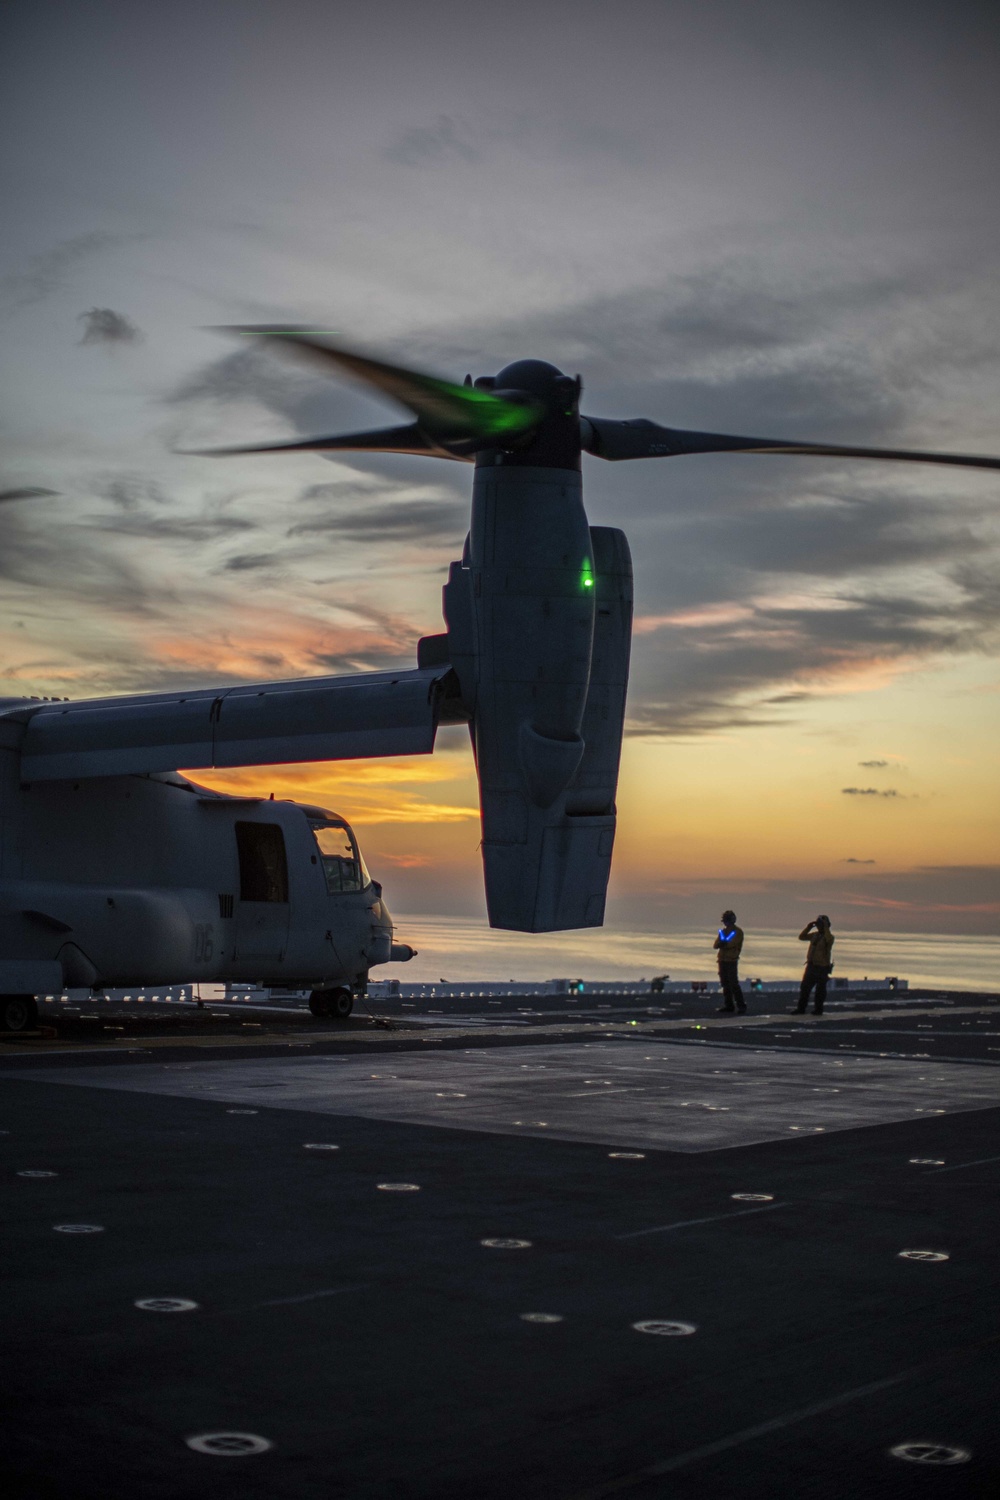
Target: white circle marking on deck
501,1244
242,1111
926,1161
398,1187
78,1228
228,1444
665,1328
37,1172
924,1255
319,1146
930,1453
166,1304
541,1317
753,1197
627,1155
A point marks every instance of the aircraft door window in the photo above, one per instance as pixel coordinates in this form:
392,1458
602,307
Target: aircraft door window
263,864
342,863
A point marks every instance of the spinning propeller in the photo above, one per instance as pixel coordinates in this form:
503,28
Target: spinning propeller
452,421
528,415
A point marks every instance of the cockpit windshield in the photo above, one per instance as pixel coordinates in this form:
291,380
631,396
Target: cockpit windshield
341,858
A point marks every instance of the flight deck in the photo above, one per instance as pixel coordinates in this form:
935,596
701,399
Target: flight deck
504,1250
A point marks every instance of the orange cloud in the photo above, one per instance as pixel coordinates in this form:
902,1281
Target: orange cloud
369,791
811,602
278,643
869,674
707,614
988,908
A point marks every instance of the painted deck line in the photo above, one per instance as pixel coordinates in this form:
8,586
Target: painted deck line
636,1234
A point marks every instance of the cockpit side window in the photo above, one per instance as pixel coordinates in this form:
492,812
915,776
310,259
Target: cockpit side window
341,858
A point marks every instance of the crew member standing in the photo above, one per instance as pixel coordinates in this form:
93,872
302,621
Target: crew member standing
819,962
729,944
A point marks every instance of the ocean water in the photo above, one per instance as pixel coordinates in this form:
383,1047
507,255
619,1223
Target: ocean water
465,948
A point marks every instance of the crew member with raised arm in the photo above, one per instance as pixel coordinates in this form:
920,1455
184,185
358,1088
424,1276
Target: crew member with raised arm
819,962
729,944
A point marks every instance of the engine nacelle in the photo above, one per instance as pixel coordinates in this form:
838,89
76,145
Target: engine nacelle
539,628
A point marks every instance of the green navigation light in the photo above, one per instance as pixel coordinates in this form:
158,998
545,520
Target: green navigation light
587,575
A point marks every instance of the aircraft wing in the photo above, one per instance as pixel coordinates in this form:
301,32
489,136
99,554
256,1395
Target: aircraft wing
272,723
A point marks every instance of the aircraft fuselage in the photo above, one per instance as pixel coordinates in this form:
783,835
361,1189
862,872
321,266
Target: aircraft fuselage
130,880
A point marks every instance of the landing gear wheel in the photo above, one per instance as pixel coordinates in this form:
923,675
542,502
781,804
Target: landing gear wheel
337,1003
341,1004
18,1013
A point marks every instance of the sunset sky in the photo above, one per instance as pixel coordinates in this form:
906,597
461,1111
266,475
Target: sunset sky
768,218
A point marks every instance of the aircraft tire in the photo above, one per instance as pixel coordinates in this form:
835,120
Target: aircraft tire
18,1013
336,1004
341,1004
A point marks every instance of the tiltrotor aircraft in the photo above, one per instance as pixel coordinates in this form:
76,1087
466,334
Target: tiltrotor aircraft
116,870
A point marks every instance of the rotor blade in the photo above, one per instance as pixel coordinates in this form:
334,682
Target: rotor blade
610,439
383,440
441,407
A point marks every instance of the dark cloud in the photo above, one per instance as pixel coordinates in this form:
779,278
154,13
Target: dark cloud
376,657
402,521
873,765
425,145
71,563
731,348
249,371
189,529
142,508
102,325
793,597
867,791
341,491
248,562
46,273
130,491
26,492
78,565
